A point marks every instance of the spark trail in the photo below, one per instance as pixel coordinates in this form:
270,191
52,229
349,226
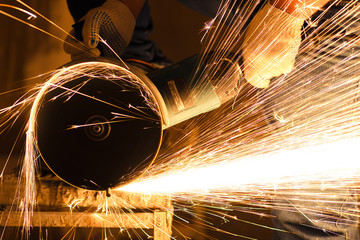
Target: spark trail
270,148
316,163
59,79
294,141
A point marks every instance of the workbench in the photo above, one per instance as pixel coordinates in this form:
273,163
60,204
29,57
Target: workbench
61,205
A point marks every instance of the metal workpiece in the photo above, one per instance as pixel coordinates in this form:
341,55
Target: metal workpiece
52,192
61,205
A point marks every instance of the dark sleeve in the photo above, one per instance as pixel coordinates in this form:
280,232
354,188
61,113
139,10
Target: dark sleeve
141,46
210,8
78,8
206,7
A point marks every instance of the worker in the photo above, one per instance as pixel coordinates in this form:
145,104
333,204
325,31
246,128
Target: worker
126,24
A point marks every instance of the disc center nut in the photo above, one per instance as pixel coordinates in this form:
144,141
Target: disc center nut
97,128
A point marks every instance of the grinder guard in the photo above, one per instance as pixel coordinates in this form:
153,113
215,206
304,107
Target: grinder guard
94,132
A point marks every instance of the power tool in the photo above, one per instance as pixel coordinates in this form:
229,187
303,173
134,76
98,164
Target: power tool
98,132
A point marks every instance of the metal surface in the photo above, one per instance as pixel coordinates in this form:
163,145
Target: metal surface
54,193
54,198
80,219
157,220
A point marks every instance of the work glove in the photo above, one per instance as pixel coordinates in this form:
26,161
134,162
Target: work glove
112,22
78,50
271,43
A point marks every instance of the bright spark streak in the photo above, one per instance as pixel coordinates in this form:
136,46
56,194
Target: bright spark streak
334,160
112,50
322,127
31,15
294,142
31,25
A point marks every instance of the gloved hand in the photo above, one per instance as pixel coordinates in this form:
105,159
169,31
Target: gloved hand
112,22
78,50
271,43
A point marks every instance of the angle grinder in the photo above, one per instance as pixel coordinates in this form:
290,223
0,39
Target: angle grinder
99,123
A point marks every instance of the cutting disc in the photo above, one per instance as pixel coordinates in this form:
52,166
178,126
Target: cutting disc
96,133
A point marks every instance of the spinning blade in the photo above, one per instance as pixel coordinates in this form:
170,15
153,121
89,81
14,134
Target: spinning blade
95,133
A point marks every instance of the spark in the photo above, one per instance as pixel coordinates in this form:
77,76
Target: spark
244,153
31,15
244,174
207,27
57,80
34,99
295,140
112,50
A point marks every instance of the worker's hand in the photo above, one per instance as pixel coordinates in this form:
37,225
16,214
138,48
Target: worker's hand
112,22
271,43
78,50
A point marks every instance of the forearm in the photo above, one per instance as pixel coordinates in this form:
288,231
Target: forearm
299,8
